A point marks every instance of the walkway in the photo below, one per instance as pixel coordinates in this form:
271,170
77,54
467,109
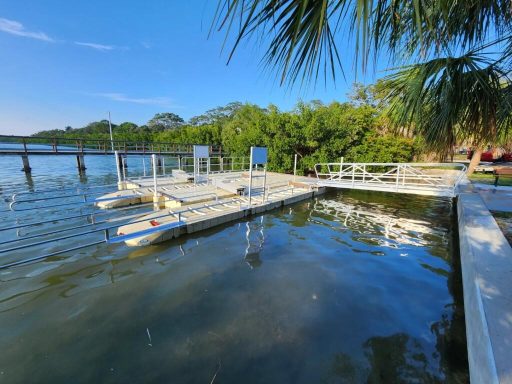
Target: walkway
431,179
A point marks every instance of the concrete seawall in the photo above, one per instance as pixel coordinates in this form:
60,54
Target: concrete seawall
486,260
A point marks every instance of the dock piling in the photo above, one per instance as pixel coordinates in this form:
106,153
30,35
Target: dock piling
26,164
80,162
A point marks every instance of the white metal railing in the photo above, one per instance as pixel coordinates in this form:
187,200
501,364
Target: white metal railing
216,164
397,177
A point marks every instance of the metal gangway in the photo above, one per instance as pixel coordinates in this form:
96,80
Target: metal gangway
431,179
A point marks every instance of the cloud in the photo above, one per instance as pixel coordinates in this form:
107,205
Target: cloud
99,47
162,101
16,28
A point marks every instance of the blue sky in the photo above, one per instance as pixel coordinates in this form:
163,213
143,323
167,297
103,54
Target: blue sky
69,63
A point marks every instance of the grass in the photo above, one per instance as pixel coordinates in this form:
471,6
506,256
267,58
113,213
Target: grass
487,178
459,157
504,220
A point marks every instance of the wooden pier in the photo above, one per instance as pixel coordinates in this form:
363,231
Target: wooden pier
26,146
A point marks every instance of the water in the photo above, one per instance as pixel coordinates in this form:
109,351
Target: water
351,287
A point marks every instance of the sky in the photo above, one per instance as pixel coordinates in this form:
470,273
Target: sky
68,63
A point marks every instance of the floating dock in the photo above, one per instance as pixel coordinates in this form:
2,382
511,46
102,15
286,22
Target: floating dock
171,223
140,211
187,207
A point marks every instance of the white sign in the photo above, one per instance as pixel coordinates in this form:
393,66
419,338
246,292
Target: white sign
201,151
259,155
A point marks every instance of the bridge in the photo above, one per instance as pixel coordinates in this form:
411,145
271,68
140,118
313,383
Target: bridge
430,179
79,147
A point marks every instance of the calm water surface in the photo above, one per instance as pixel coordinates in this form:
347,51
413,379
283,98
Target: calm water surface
352,287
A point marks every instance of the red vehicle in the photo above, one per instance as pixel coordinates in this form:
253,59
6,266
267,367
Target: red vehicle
489,156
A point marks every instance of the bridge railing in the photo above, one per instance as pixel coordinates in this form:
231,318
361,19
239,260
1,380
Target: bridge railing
34,144
392,176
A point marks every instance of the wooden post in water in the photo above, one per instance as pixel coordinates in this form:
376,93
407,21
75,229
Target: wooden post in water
80,162
26,164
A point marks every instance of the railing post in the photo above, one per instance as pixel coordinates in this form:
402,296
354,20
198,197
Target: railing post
397,175
118,167
364,173
353,174
294,167
123,163
155,184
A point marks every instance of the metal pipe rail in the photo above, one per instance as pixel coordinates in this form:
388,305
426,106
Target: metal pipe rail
83,195
84,201
88,225
105,230
92,215
223,164
392,177
76,189
166,198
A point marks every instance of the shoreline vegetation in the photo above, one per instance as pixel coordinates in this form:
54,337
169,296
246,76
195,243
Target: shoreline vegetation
358,130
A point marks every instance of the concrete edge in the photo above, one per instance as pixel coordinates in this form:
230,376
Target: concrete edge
486,262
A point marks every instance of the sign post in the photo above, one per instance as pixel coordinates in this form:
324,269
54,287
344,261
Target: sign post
258,156
201,152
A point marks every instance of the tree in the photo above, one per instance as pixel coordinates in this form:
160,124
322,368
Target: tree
163,121
452,99
303,38
217,115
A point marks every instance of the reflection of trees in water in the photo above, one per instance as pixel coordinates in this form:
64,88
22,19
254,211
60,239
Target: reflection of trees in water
397,359
450,331
391,359
401,359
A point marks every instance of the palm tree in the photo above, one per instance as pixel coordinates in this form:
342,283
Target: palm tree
452,80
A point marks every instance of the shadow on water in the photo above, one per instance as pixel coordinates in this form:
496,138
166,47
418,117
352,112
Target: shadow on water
349,288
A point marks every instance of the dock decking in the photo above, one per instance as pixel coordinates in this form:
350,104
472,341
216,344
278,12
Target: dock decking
187,207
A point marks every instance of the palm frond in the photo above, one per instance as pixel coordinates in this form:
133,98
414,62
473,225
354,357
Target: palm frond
452,98
303,36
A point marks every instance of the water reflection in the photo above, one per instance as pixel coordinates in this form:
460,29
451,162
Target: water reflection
394,230
255,238
29,181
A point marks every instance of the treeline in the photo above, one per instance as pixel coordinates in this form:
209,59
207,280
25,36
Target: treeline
316,132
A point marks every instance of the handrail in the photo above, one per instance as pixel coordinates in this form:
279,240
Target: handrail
105,229
84,145
391,176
